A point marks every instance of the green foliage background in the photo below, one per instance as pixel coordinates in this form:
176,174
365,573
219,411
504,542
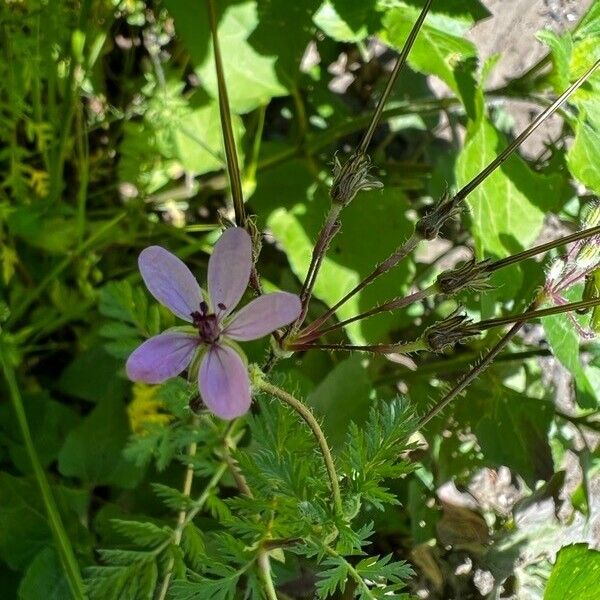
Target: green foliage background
110,140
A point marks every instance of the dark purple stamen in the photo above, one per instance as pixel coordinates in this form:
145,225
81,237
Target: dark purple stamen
206,324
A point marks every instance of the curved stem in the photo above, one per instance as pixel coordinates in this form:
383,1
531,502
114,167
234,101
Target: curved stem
310,420
65,550
264,568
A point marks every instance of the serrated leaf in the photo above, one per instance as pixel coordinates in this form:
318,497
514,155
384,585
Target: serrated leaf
142,533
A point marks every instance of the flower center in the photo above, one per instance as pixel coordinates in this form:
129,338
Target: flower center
207,324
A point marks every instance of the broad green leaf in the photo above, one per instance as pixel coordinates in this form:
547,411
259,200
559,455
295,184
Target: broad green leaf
348,20
508,208
565,341
576,575
251,75
50,422
524,421
561,48
44,578
93,451
284,31
584,156
93,376
343,396
454,15
435,51
24,530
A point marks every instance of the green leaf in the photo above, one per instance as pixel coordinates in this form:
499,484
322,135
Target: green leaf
141,533
576,575
50,422
435,51
564,342
524,421
508,208
93,376
251,76
44,578
348,20
584,156
346,385
561,48
93,451
24,530
333,578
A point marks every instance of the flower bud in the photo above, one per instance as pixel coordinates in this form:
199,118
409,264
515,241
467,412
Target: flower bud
470,275
352,177
428,226
449,331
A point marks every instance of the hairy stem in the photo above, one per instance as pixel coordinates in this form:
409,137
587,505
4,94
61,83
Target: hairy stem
473,374
535,314
233,168
396,257
405,348
310,420
61,539
394,304
516,258
329,229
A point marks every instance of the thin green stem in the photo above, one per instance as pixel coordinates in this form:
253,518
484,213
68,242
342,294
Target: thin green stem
394,304
405,348
396,257
65,550
505,154
310,420
367,592
410,40
535,314
181,518
568,239
233,167
264,568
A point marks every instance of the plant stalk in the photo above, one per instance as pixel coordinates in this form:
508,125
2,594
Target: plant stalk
231,155
61,539
312,422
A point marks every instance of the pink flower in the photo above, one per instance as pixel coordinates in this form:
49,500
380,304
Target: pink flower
223,377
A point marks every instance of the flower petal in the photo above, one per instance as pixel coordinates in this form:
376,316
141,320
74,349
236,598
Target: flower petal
229,270
263,315
170,281
161,357
224,383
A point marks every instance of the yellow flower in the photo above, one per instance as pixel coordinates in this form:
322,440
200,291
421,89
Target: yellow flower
145,409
